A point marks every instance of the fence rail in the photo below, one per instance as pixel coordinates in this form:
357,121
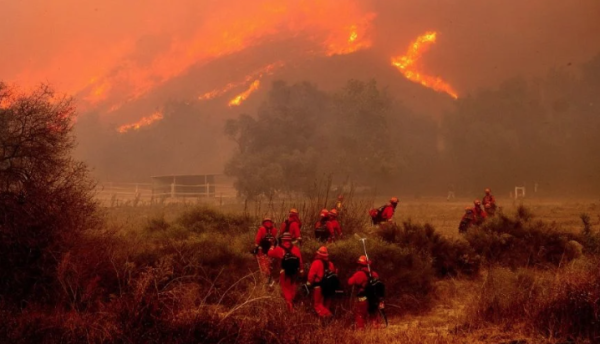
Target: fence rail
117,193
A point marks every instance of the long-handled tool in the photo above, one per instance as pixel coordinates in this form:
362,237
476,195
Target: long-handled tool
381,310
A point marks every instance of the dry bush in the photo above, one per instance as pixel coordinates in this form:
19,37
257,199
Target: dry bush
520,241
449,257
563,304
203,219
408,275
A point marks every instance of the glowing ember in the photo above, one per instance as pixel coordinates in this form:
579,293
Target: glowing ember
244,95
157,116
407,65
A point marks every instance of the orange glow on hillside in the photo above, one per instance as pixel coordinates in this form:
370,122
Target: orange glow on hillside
157,116
244,95
266,70
408,65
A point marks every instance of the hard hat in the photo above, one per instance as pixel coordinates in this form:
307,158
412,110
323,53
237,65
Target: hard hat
394,199
468,210
286,237
362,260
322,251
324,212
487,205
333,212
477,202
293,211
487,190
265,219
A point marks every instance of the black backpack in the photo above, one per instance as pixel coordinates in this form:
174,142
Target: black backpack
330,283
374,291
267,241
376,214
290,263
321,232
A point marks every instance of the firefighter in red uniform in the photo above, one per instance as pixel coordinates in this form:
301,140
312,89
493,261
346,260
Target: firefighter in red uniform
479,213
361,306
288,279
467,220
292,225
388,211
322,227
265,238
335,230
315,276
490,200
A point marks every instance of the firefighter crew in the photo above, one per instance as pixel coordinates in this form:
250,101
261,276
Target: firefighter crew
361,307
288,277
265,238
335,230
316,272
292,225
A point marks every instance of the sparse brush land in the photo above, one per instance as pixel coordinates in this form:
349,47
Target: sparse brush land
184,274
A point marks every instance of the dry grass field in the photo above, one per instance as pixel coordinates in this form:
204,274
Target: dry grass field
182,273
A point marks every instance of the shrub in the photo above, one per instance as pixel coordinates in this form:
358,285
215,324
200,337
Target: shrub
519,241
407,274
202,219
449,257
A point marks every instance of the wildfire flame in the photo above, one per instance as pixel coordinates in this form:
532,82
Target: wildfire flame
157,116
244,95
407,65
266,70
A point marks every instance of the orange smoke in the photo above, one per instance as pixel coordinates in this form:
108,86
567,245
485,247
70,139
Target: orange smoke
408,66
244,95
157,116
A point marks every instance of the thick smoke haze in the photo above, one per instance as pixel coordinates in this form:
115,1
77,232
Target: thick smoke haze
128,60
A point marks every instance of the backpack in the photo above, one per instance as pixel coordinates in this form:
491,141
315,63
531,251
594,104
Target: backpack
321,232
330,283
376,214
374,291
290,263
267,241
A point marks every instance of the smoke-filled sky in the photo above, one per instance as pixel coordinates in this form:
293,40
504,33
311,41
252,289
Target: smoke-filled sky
113,52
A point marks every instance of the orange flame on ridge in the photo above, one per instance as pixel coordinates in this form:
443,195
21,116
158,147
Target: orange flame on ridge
407,65
145,121
266,70
244,95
